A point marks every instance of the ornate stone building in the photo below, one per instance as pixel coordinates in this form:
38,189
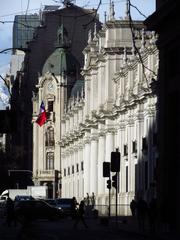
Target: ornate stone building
116,110
76,21
113,107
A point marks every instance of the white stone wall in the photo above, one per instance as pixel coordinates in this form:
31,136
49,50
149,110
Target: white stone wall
118,108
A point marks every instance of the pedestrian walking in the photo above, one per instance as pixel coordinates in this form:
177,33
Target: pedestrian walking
80,215
10,215
74,204
133,206
87,199
152,214
93,200
142,209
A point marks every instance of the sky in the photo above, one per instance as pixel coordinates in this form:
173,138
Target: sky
10,8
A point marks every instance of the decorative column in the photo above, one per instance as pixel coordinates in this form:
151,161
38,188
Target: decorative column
93,163
130,163
87,164
80,186
101,159
139,183
109,146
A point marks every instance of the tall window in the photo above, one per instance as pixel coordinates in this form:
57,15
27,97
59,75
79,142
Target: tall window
50,106
77,167
82,166
144,144
50,137
127,179
125,150
50,161
134,146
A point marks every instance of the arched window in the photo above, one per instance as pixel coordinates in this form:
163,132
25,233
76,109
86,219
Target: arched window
50,161
49,137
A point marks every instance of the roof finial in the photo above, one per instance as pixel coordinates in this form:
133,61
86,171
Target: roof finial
105,17
82,92
127,10
111,11
95,31
143,40
125,56
89,36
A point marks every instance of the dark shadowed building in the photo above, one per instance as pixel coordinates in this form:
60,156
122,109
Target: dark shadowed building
165,21
77,22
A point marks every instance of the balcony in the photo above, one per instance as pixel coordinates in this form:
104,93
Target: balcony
46,175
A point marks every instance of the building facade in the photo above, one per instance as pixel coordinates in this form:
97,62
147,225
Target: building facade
74,19
115,110
112,105
60,78
168,89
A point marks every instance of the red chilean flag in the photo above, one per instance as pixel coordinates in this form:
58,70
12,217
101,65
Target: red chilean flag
42,115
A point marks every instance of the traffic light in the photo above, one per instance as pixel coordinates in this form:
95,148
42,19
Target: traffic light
115,161
114,181
106,169
109,184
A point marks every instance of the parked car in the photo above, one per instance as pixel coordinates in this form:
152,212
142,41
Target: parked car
50,201
2,209
64,204
23,198
27,211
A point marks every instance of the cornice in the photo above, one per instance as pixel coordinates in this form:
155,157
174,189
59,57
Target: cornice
101,133
86,140
112,130
94,137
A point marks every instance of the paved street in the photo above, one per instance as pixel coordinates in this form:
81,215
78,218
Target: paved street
63,230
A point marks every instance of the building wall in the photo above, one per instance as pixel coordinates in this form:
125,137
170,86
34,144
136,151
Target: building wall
168,118
119,108
39,49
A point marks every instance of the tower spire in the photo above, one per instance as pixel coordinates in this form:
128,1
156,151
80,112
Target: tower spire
127,11
111,11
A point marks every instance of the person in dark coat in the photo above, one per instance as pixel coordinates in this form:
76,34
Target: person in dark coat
73,207
80,215
152,213
133,206
142,210
10,215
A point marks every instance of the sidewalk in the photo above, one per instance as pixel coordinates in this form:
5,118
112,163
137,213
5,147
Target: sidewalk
129,224
126,226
